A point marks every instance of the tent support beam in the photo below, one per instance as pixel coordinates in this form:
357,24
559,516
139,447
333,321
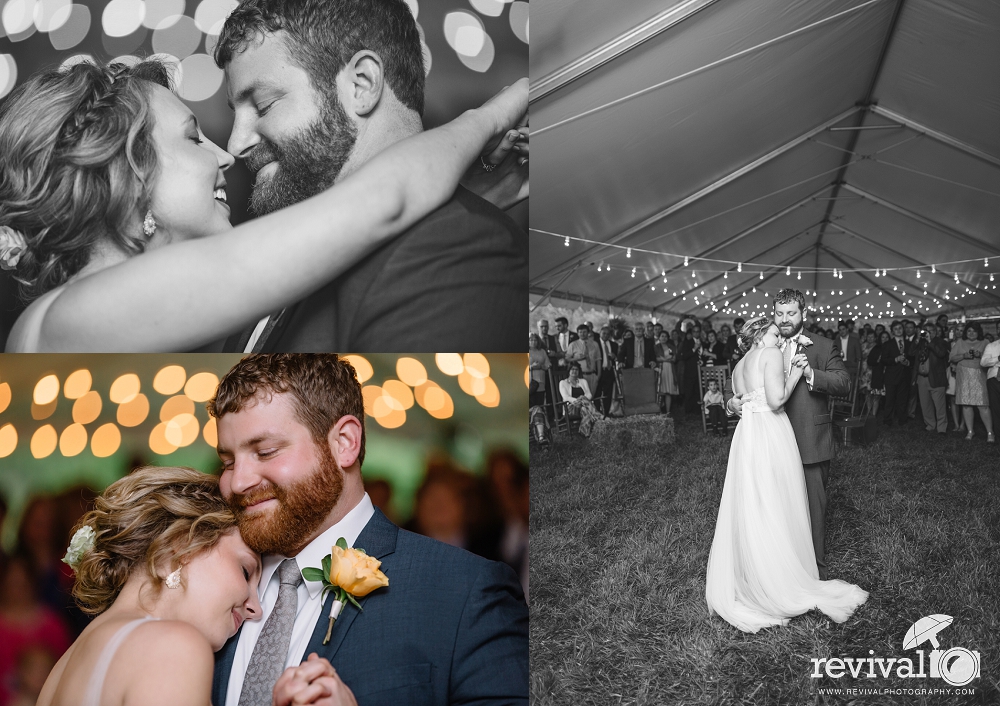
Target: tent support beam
957,235
556,286
936,134
877,244
549,293
615,48
711,188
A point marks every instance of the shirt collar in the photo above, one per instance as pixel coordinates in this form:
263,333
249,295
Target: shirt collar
312,555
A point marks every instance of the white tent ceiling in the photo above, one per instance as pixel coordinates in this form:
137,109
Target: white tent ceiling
763,135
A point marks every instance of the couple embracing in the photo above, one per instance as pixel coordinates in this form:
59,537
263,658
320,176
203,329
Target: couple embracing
177,565
767,562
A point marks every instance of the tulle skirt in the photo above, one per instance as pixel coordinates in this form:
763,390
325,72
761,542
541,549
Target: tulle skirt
762,567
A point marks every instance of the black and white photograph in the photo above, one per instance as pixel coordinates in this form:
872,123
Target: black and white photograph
764,352
263,176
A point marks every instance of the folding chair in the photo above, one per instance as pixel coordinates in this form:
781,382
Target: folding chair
846,425
844,406
707,373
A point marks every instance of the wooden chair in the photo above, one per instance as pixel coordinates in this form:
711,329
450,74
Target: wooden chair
844,406
849,425
706,374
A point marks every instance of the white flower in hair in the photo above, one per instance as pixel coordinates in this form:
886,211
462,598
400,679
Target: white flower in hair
82,542
12,246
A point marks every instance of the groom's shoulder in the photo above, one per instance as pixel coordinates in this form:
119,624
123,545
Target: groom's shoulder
425,549
467,212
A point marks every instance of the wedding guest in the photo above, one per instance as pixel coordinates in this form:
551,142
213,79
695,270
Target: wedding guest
606,378
637,351
733,352
956,414
563,338
897,356
665,356
549,344
879,328
970,379
587,354
867,344
911,335
850,349
690,354
25,622
439,511
877,389
714,351
932,380
42,535
991,362
713,408
33,669
380,491
579,401
657,330
509,481
539,365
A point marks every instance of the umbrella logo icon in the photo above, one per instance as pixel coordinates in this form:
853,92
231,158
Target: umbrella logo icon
957,665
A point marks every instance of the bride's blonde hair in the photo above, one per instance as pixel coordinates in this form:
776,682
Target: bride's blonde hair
753,330
153,517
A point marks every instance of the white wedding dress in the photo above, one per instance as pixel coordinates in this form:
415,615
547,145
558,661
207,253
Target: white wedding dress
762,566
95,687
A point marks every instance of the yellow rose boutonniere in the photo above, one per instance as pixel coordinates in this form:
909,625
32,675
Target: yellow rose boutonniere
350,573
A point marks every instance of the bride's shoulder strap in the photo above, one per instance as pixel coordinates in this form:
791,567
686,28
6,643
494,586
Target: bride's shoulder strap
95,687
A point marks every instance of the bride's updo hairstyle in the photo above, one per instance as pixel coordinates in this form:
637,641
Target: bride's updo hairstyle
154,518
753,330
78,163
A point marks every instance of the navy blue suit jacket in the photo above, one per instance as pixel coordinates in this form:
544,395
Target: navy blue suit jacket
451,628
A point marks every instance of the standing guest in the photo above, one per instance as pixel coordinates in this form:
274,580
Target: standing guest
509,481
714,352
733,352
877,390
879,328
989,338
666,354
636,350
579,401
606,378
538,388
587,354
690,354
991,362
850,349
867,345
932,378
657,330
650,332
25,622
942,321
897,356
956,414
713,401
563,338
911,335
549,344
970,379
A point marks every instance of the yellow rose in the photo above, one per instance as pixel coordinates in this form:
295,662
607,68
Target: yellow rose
355,572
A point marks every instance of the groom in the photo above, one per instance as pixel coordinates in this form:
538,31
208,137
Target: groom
808,409
318,88
450,628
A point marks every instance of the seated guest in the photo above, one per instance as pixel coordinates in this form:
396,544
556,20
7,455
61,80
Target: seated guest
970,379
714,410
579,401
932,378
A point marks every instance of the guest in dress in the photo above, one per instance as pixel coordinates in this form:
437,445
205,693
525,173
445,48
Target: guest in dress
539,364
877,390
970,379
666,356
576,393
991,363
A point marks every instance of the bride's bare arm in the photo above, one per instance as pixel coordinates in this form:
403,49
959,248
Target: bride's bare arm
777,388
185,295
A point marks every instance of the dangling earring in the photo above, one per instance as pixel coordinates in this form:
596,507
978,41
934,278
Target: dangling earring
173,579
149,224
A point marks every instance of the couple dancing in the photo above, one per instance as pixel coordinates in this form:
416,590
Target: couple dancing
113,213
765,565
177,565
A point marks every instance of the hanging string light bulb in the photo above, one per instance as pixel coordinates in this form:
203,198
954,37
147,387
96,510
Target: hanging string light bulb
761,274
633,272
933,269
567,241
628,252
739,266
918,274
685,261
876,273
788,271
800,275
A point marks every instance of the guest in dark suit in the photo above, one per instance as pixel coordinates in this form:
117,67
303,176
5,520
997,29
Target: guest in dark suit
636,350
548,341
456,279
732,351
563,338
932,378
606,379
690,355
850,349
450,627
897,356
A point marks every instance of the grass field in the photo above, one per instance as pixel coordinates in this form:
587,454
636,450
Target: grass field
620,541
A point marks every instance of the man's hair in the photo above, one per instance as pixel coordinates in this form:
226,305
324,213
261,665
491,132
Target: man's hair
324,387
787,296
583,327
841,323
323,35
562,320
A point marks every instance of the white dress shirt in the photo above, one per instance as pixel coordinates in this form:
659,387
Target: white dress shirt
991,359
309,604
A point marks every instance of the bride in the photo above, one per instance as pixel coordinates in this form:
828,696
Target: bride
161,563
762,566
109,191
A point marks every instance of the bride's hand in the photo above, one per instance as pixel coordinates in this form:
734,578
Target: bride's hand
500,175
315,682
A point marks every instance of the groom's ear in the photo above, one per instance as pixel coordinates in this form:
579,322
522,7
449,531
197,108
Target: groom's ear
365,81
345,440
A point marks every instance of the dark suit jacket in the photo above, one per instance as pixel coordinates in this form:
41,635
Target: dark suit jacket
936,352
451,628
896,373
614,351
454,281
626,352
853,352
551,347
808,409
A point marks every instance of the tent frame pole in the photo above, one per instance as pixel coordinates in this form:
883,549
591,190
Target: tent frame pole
936,135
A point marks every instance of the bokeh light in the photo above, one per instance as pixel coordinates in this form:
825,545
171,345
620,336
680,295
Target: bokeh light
46,390
134,412
518,18
105,440
182,430
178,404
438,403
449,363
8,74
212,13
393,420
527,377
361,366
43,411
420,392
51,14
8,440
87,408
170,379
73,440
476,365
18,17
201,78
158,440
464,32
162,13
411,371
470,385
210,433
490,397
73,31
201,386
125,388
398,394
483,60
179,38
370,394
44,441
490,8
123,17
4,396
77,384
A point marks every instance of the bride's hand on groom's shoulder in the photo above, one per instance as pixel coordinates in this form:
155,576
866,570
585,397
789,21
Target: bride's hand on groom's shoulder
316,682
501,174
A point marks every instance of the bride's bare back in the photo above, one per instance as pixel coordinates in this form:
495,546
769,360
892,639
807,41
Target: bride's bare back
763,367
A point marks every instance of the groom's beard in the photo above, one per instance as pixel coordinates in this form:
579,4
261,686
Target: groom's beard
794,331
308,161
302,508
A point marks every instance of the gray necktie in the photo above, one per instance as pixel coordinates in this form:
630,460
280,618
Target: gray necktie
269,654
